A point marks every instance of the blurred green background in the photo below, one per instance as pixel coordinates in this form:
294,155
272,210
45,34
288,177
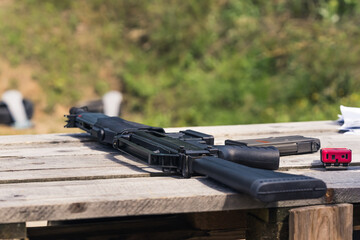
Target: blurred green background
183,63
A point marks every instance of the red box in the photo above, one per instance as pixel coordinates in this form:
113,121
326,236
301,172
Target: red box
335,156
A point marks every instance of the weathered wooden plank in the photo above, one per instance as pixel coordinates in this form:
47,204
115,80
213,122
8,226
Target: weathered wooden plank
99,163
62,158
61,162
36,164
341,178
38,150
115,197
289,128
21,140
346,190
69,174
60,165
65,157
218,131
81,144
94,148
139,196
343,186
321,222
11,143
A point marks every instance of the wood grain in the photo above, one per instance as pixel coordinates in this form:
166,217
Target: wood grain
290,128
71,176
218,132
21,140
115,197
139,196
68,161
321,222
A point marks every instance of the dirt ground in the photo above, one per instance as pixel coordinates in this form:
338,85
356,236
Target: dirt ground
20,78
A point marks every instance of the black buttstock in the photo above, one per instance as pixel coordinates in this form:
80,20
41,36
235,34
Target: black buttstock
257,157
264,185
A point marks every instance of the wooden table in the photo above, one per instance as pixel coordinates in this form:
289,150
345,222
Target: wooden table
63,181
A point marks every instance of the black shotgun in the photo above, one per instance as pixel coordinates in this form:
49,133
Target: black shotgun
245,169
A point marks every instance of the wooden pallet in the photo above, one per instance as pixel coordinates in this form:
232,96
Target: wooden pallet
70,177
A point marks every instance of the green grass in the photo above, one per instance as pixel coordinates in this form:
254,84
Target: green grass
192,62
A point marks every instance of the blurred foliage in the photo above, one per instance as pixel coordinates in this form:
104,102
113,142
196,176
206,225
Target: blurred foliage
193,62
